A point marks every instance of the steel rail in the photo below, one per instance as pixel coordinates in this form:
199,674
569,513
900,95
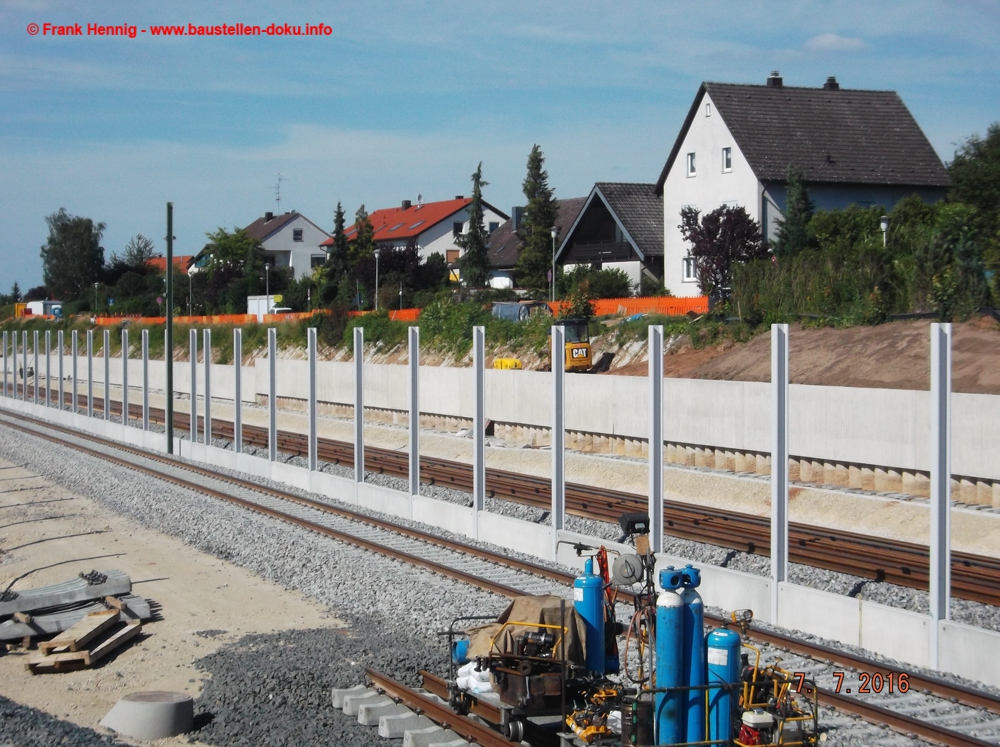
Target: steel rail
437,712
939,687
900,722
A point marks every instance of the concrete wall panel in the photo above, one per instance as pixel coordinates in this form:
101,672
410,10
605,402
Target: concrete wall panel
516,534
970,652
900,634
820,613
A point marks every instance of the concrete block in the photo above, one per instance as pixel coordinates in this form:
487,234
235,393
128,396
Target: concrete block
290,474
854,477
396,726
444,515
354,701
338,694
369,714
386,500
970,652
515,534
432,735
897,633
819,612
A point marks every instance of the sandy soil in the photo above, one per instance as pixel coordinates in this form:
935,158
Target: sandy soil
889,356
194,592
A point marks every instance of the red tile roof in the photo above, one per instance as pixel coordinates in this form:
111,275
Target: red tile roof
160,263
401,223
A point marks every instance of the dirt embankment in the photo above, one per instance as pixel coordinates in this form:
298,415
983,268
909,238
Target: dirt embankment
889,356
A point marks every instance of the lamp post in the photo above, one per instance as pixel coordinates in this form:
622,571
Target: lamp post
884,223
95,299
552,282
190,291
376,278
267,287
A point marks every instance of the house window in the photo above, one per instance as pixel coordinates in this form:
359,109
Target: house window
494,226
689,273
456,228
297,234
708,110
727,160
690,164
451,255
316,260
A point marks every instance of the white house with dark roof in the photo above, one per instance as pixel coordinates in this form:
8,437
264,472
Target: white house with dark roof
620,225
290,240
738,142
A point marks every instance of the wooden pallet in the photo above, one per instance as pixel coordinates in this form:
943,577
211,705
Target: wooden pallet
73,646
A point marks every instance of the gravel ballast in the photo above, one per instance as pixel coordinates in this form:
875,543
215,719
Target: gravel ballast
274,689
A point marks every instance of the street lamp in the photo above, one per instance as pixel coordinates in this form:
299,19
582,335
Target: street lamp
190,291
95,299
267,286
552,282
884,223
376,279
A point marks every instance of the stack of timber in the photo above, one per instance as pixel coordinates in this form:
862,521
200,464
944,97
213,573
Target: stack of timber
92,614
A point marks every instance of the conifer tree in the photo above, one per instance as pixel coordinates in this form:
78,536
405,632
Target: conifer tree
533,263
336,259
793,229
475,263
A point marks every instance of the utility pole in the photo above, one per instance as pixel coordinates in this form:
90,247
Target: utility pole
168,354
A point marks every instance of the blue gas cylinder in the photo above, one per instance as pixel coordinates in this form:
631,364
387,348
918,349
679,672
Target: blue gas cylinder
693,646
723,649
588,600
669,660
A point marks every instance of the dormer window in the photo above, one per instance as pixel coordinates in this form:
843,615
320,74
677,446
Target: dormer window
690,165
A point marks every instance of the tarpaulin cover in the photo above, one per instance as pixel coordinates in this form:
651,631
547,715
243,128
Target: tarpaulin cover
532,611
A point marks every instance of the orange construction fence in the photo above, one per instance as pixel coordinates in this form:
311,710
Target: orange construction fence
663,305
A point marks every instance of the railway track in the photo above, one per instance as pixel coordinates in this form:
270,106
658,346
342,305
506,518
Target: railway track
498,573
973,577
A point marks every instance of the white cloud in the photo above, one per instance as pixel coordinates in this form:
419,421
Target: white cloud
834,43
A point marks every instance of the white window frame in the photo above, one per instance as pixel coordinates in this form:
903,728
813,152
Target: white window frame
727,155
691,166
708,109
689,270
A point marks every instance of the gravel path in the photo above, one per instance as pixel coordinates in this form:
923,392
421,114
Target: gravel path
274,689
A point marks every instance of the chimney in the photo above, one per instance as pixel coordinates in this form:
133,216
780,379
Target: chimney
516,217
406,204
774,80
831,84
459,197
268,216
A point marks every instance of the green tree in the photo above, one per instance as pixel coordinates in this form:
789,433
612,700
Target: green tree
72,258
335,268
975,176
15,293
719,240
534,261
475,263
793,228
234,251
138,252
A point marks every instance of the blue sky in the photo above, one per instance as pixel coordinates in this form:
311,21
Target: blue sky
406,98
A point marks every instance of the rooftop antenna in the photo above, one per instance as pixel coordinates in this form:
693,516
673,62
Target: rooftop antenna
420,200
277,191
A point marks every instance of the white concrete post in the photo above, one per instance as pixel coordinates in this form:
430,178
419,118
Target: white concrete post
207,345
359,404
238,391
35,369
145,379
479,428
61,343
90,373
940,539
5,363
48,368
558,357
76,403
272,394
124,377
193,365
414,341
779,462
311,345
107,374
24,367
656,438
